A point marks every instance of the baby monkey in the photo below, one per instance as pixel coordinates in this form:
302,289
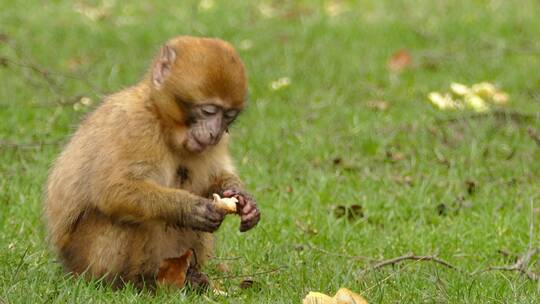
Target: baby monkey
134,184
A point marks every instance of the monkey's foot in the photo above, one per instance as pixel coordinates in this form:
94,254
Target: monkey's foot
196,279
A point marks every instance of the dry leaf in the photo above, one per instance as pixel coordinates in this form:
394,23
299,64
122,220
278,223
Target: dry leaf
399,61
222,267
343,296
172,271
245,284
379,105
352,212
395,156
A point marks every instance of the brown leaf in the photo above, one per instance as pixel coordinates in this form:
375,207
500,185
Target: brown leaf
394,156
403,180
399,61
222,267
308,229
352,212
247,283
471,186
172,271
379,105
4,38
442,209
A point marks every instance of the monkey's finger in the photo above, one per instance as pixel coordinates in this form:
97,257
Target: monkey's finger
249,221
248,208
241,199
229,193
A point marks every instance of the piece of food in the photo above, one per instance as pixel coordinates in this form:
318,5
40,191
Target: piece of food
459,89
476,103
226,203
484,89
443,102
343,296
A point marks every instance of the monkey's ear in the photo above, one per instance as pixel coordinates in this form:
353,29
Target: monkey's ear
162,66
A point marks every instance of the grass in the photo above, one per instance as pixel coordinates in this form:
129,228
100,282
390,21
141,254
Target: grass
304,148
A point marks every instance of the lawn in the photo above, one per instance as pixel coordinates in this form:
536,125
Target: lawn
340,129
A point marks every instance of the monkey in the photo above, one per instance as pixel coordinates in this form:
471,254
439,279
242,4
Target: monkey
132,186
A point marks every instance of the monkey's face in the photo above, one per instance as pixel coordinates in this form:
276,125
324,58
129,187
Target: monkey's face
206,125
201,84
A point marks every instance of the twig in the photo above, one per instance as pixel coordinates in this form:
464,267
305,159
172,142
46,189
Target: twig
534,135
512,115
249,274
352,257
520,266
228,258
523,261
508,254
409,256
28,145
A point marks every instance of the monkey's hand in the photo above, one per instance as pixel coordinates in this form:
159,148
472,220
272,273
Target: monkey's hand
246,208
205,216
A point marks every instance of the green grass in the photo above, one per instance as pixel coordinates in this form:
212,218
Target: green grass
286,142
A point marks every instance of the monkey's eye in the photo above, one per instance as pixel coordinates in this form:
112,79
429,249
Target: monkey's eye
209,109
231,114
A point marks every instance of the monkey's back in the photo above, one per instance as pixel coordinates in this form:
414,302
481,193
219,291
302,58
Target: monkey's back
93,153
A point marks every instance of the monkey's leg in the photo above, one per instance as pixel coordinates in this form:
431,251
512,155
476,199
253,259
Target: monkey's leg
117,252
202,244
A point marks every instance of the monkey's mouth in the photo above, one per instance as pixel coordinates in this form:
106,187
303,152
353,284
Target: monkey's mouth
194,145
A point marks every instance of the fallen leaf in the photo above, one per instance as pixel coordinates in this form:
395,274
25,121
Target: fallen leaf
245,44
247,283
379,105
337,160
471,186
205,5
4,37
403,179
352,212
395,156
442,209
222,267
172,271
280,83
299,247
400,61
306,228
343,296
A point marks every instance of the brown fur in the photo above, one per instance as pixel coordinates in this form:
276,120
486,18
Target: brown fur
115,206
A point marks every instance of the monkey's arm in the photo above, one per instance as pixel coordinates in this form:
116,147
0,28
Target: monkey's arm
144,200
225,181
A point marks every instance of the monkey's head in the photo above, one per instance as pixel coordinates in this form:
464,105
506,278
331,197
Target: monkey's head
200,85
